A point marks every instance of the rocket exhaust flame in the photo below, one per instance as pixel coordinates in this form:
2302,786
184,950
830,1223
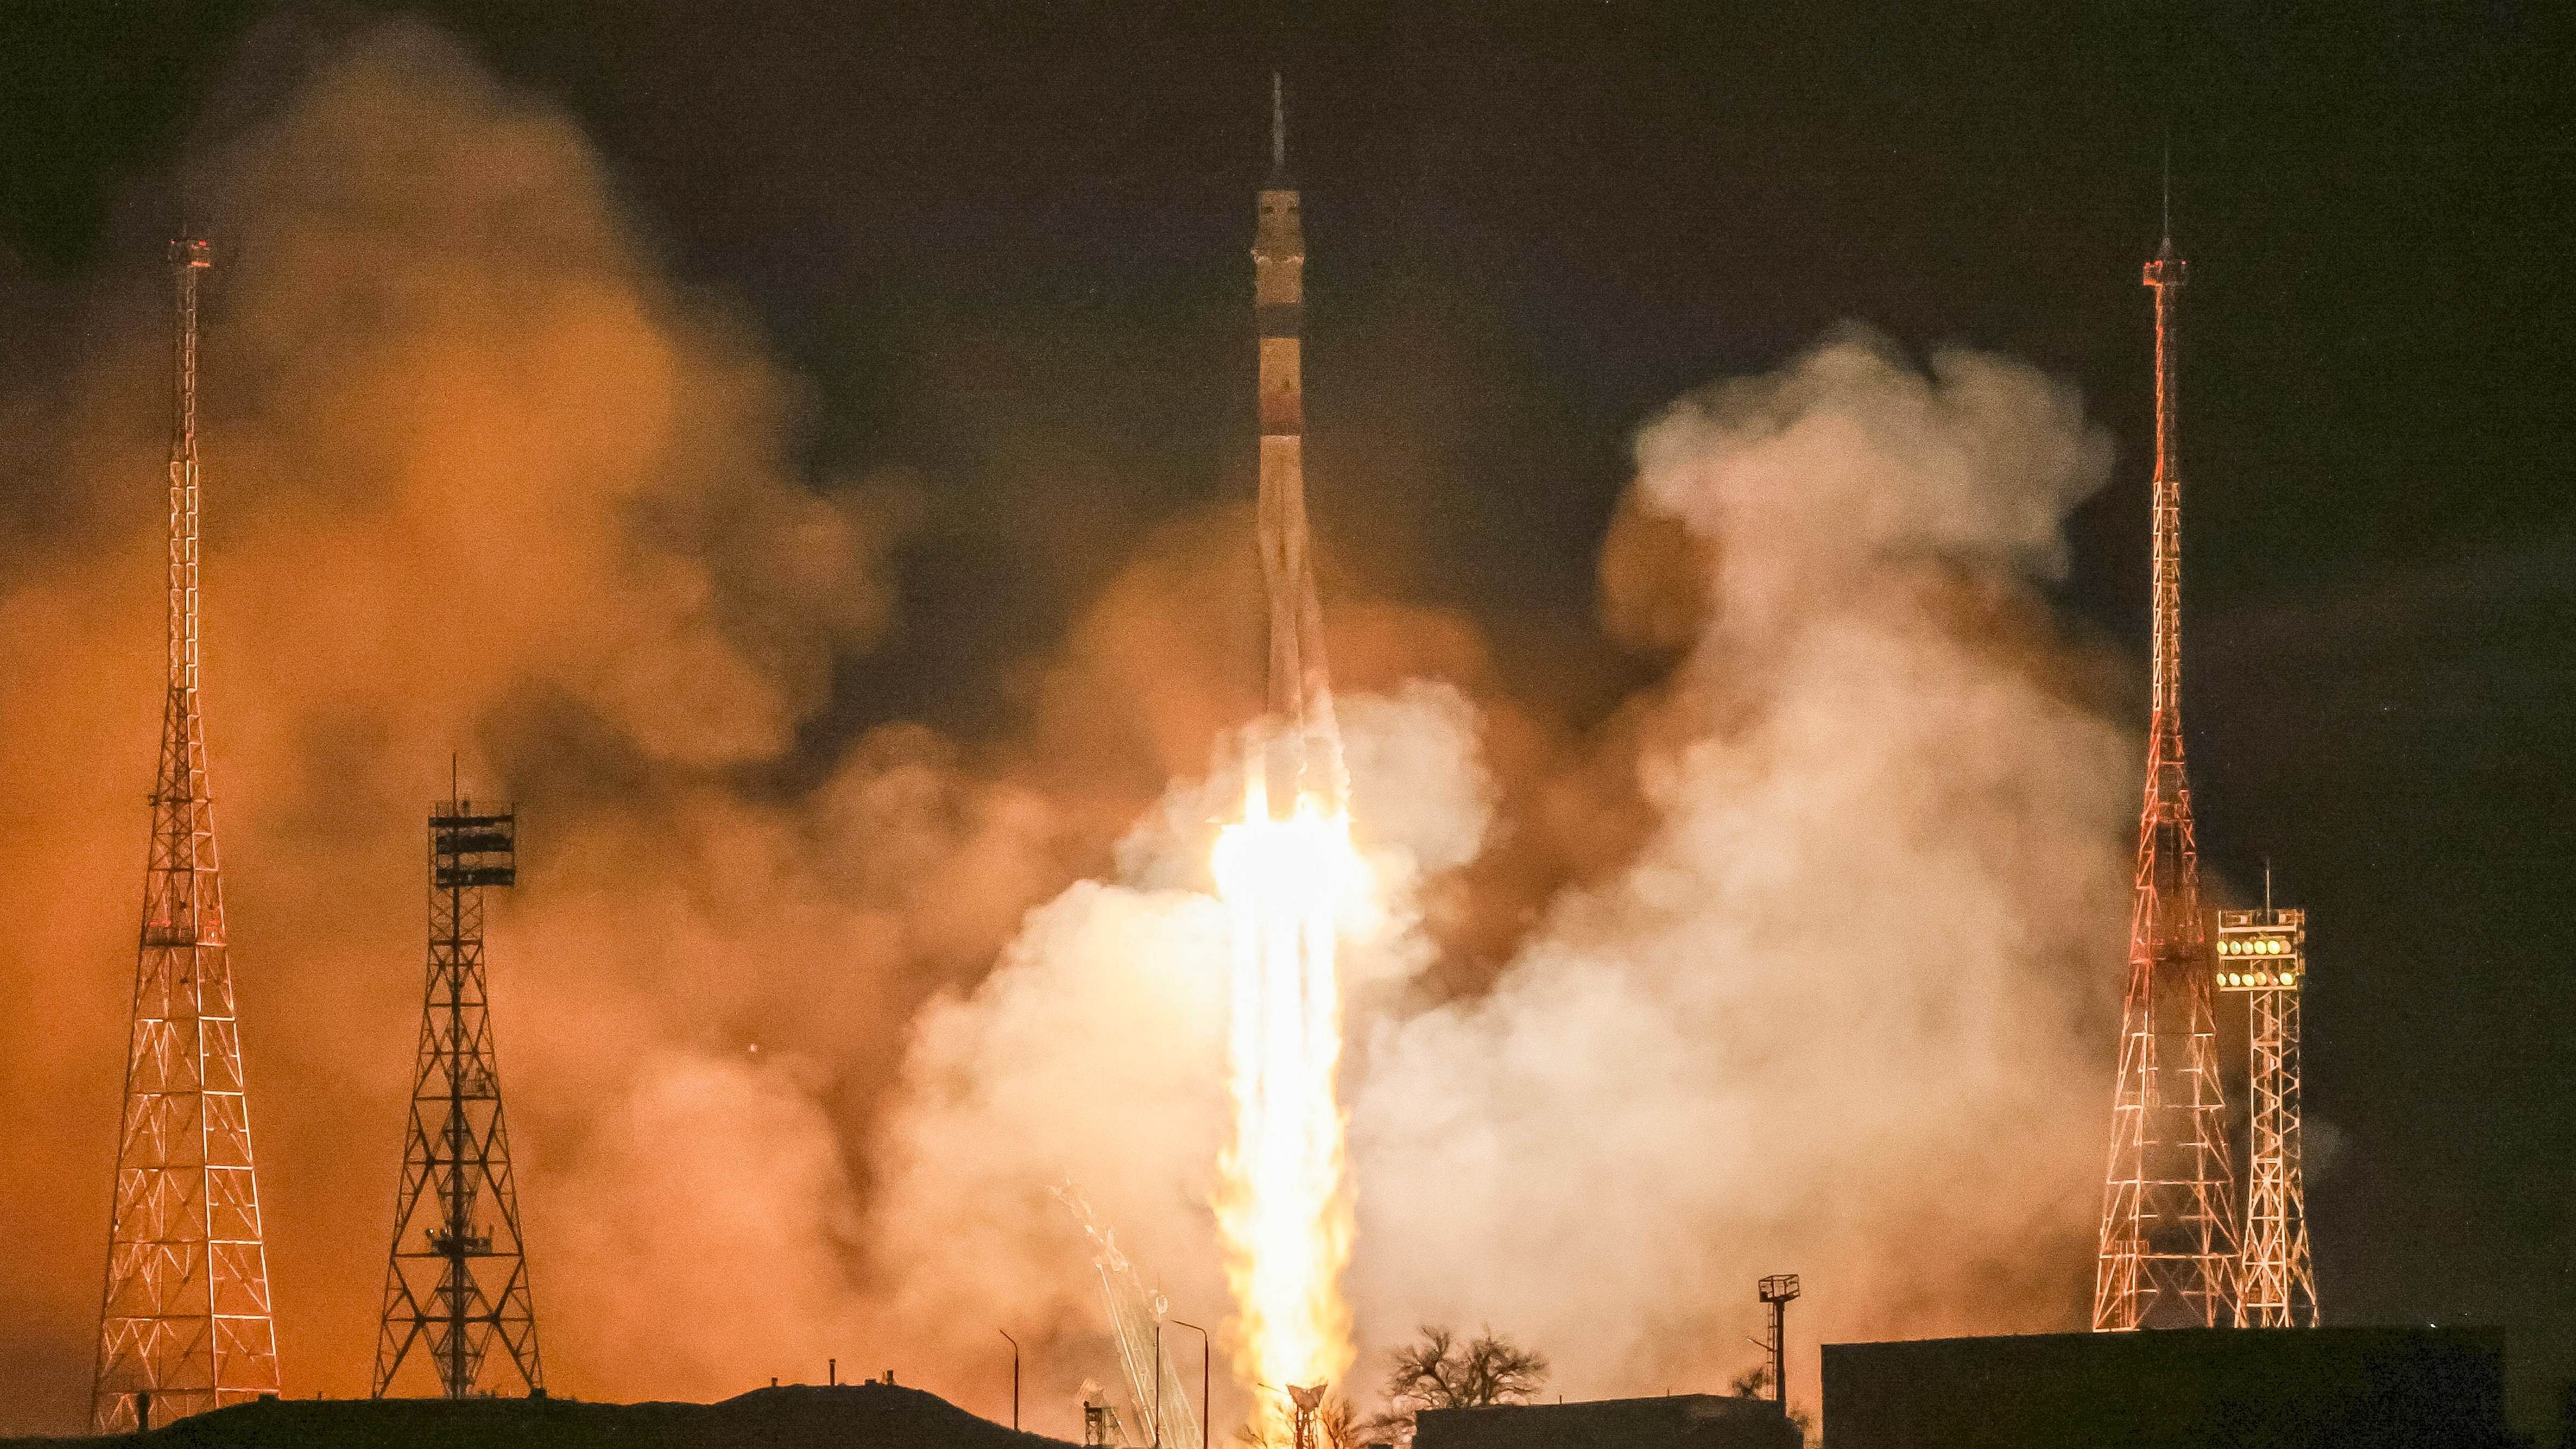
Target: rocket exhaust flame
1284,871
1284,1206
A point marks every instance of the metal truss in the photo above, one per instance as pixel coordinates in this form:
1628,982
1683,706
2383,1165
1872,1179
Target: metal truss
184,1320
456,1281
2263,955
2166,1254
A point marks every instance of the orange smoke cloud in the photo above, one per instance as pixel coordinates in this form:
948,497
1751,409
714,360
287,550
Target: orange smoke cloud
796,1037
477,481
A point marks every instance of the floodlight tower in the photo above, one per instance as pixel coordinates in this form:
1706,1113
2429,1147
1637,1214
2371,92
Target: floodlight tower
1777,1290
184,1320
2166,1255
2263,955
456,1287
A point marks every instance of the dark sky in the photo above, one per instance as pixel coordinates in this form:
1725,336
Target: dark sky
986,239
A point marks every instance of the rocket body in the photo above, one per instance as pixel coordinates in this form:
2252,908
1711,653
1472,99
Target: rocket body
1304,756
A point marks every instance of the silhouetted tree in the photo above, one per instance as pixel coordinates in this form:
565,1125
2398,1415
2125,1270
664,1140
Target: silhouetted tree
1439,1371
1755,1383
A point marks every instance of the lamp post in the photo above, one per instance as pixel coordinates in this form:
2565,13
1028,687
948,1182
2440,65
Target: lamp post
1015,1377
1207,1411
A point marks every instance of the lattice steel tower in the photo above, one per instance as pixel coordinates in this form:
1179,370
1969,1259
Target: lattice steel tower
2167,1251
184,1318
2264,955
456,1286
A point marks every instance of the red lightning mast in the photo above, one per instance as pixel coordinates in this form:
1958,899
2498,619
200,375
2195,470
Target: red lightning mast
2167,1251
184,1321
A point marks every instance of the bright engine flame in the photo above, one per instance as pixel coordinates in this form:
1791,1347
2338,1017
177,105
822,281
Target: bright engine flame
1283,1206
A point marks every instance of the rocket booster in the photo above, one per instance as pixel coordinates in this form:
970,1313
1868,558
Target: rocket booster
1304,757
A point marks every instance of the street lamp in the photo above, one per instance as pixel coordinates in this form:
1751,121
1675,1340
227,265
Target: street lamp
1015,1378
1207,1411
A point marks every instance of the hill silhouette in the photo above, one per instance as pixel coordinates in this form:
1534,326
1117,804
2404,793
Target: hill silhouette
800,1416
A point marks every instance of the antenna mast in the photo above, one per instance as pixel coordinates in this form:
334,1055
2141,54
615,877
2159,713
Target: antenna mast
184,1319
2166,1254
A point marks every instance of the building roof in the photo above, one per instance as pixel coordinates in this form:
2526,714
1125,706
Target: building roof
1675,1421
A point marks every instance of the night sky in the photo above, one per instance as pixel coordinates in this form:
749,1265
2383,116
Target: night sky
1005,255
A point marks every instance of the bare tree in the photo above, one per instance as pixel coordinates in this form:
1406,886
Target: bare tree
1438,1371
1755,1383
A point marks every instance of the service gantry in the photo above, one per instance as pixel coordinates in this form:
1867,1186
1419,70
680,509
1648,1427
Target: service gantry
1155,1388
2167,1253
2263,955
456,1281
184,1321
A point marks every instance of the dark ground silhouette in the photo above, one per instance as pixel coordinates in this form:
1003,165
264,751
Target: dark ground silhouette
849,1416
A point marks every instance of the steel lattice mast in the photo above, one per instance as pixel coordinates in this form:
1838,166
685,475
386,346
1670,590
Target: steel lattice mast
184,1320
456,1287
2167,1250
2264,955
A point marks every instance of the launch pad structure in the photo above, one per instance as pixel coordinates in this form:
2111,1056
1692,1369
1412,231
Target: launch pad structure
1137,1314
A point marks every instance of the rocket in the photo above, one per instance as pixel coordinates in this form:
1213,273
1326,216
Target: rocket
1304,754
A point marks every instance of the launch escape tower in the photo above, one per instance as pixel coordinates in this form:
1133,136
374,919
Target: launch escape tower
1306,756
2264,956
456,1286
184,1320
2167,1250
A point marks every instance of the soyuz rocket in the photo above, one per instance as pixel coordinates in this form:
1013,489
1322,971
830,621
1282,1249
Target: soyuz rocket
1302,758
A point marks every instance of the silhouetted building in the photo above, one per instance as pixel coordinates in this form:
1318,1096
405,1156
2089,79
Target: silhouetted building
2318,1388
1675,1421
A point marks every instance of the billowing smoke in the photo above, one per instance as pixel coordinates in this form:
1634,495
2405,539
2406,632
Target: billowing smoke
479,481
1798,962
1839,1013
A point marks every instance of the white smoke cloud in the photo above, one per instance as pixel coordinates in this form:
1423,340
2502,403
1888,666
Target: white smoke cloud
1838,1016
1095,1053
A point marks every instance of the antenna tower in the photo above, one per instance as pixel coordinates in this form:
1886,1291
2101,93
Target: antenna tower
456,1287
2264,955
2167,1250
184,1319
